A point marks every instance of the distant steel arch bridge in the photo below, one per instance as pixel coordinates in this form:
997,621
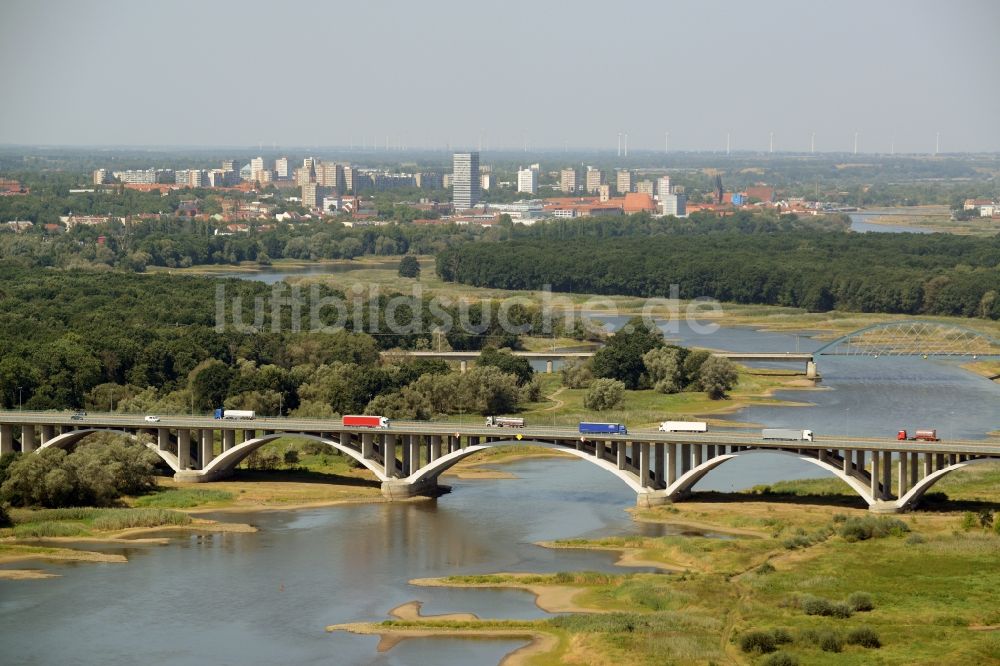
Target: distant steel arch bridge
913,338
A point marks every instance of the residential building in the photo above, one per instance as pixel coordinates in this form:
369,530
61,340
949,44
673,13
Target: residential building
137,176
312,195
663,186
447,180
330,174
281,168
181,176
466,183
485,181
256,166
527,180
304,175
232,165
595,178
625,182
604,193
100,176
673,204
567,180
645,187
429,181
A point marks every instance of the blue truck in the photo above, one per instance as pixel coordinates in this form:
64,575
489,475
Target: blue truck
603,429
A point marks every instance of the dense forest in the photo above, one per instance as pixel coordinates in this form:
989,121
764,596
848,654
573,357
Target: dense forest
893,273
140,343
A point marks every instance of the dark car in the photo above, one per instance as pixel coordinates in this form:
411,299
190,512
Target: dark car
78,415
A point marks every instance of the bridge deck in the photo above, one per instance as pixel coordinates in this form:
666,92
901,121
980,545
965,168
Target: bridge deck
445,428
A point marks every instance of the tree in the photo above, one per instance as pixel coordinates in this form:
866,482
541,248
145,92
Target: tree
717,375
507,362
604,394
665,368
409,267
209,383
621,357
576,374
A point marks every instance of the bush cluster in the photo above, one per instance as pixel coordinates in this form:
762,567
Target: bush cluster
95,474
872,527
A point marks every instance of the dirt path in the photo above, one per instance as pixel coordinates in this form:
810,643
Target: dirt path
553,398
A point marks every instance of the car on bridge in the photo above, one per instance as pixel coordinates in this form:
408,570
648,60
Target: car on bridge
78,415
918,436
152,419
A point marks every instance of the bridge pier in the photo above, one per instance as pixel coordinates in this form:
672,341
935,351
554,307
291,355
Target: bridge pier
811,372
28,439
463,366
228,439
183,448
6,438
163,438
389,455
48,432
548,367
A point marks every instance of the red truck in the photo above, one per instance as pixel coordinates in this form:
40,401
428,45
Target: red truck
365,421
918,436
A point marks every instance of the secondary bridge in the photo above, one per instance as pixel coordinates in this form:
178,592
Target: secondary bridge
463,357
409,457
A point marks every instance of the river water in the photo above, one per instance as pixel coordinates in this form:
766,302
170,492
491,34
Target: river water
265,598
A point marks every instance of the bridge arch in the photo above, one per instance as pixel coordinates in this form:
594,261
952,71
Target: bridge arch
684,484
435,469
911,498
70,439
914,337
228,460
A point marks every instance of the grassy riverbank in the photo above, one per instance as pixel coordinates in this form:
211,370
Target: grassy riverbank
812,571
934,218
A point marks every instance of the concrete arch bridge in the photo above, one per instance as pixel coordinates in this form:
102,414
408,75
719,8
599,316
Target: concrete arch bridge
409,458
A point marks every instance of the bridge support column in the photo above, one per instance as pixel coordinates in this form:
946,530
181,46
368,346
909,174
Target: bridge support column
28,439
671,463
413,457
846,463
207,447
389,455
183,448
644,464
366,445
620,450
63,429
435,448
886,473
903,472
548,367
928,464
859,461
913,470
228,439
454,443
463,366
163,438
48,432
876,476
659,463
6,438
696,455
685,458
811,370
599,450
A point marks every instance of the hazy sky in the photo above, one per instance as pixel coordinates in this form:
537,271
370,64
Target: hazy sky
198,72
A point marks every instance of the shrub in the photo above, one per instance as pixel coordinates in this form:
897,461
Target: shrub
5,520
765,568
757,641
797,541
865,637
915,539
839,518
817,606
47,529
872,527
840,609
604,394
968,520
314,448
262,460
781,636
830,642
291,457
780,659
860,602
576,374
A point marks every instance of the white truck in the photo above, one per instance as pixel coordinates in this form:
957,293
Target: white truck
504,422
787,434
683,426
235,414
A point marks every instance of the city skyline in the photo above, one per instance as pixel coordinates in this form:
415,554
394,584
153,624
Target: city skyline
898,77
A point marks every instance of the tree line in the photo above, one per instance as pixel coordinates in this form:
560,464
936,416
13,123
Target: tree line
935,274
